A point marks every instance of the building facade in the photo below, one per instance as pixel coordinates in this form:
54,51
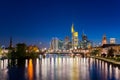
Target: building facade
112,41
54,44
104,40
85,43
74,38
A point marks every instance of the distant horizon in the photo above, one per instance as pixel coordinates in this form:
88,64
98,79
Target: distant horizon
42,44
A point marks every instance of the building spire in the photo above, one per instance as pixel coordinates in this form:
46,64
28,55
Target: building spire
72,28
104,39
10,46
83,31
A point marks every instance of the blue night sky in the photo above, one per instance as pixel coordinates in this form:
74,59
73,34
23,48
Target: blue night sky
33,22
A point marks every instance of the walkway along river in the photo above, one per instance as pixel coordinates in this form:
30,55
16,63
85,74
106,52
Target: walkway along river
56,67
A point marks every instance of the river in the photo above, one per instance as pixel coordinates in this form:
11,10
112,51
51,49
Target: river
56,67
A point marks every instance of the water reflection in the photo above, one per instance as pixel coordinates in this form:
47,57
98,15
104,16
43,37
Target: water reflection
55,67
30,70
3,69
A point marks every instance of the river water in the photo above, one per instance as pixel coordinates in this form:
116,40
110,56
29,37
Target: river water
56,67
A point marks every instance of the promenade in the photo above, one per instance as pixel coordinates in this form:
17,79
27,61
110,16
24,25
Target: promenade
108,60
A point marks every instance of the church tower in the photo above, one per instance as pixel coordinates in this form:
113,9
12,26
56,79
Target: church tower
10,45
104,40
74,37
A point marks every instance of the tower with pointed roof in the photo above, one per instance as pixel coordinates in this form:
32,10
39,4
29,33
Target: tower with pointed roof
84,37
72,28
104,40
10,45
74,37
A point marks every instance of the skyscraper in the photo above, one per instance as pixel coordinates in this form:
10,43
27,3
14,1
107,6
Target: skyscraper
85,43
54,44
112,41
67,39
74,37
67,43
60,44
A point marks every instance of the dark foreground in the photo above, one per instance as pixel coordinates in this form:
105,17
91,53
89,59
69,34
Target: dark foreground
56,67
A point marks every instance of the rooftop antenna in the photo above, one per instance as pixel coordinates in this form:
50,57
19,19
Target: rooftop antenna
83,32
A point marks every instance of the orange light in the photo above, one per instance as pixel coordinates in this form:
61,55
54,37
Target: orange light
30,70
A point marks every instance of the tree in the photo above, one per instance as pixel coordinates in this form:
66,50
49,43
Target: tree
111,52
21,50
95,52
0,51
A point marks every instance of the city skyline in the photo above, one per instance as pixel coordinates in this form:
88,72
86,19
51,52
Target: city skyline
33,22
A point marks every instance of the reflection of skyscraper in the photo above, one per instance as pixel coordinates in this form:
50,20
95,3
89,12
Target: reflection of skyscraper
104,40
74,37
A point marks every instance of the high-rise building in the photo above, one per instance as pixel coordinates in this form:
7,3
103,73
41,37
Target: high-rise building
112,40
85,43
67,39
60,44
84,37
74,37
54,44
104,40
66,43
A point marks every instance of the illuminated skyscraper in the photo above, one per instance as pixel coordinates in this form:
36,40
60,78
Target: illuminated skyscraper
104,40
67,44
112,41
67,39
74,37
85,43
60,44
54,44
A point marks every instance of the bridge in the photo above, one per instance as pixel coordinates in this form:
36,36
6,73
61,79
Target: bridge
66,54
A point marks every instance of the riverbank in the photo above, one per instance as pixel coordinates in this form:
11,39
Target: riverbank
107,60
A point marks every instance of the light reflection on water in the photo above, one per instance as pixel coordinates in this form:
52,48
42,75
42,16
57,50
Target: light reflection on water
30,69
60,68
